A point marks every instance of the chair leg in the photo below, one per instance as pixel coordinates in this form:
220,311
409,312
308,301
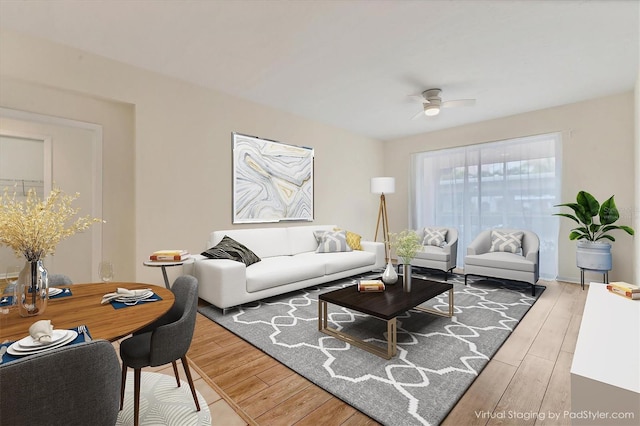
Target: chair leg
175,372
533,289
136,395
124,382
185,365
465,279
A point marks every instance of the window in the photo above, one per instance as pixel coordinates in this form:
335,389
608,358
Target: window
508,184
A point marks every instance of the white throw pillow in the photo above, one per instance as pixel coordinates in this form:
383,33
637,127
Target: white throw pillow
510,242
435,237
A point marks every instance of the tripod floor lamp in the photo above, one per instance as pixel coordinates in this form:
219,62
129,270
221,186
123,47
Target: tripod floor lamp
383,185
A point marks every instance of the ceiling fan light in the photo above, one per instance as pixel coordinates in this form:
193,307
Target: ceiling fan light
431,110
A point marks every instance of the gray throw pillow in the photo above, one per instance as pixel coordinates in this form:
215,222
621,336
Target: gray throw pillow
435,237
510,242
228,248
331,241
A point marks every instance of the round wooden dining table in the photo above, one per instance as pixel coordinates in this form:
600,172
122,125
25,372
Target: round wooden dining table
83,308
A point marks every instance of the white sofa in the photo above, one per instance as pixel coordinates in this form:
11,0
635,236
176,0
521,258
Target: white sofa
288,262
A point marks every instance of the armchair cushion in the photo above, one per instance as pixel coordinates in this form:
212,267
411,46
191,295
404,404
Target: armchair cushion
510,242
434,237
501,260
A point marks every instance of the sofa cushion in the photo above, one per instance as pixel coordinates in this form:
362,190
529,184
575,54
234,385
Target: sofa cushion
281,270
432,253
435,237
339,262
510,242
501,260
331,241
228,248
301,238
264,242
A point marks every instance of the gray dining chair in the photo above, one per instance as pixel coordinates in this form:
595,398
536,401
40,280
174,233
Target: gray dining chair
59,279
164,341
68,386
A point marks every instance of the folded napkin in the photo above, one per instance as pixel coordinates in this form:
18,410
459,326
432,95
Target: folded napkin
41,331
123,292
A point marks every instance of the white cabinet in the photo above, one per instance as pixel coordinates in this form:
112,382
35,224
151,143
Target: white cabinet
605,373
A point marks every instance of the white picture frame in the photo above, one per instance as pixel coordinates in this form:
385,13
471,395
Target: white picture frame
272,181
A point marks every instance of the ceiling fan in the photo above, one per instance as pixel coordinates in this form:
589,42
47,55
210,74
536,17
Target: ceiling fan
432,103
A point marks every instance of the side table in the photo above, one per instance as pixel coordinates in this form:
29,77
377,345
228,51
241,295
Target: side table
164,266
605,275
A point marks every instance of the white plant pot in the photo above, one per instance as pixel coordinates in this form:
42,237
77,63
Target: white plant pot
594,255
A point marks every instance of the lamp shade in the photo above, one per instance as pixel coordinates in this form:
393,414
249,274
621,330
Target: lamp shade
383,185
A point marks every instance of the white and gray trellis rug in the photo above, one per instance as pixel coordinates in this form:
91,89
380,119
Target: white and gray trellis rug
438,358
163,403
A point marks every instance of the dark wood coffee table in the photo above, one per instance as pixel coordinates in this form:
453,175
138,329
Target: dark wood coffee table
386,305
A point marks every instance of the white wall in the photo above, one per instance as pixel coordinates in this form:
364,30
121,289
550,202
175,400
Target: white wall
117,121
181,156
72,152
636,223
598,146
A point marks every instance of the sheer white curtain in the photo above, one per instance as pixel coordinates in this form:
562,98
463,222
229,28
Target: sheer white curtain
508,184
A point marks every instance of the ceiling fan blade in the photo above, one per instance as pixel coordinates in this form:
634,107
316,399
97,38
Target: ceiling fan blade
419,98
458,103
417,115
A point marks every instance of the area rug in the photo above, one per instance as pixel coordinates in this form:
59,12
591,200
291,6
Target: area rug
438,358
163,403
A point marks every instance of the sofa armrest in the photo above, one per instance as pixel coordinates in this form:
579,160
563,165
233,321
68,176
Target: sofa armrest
378,249
221,281
480,245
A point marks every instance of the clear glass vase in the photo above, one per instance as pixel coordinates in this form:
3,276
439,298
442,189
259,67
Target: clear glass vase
32,289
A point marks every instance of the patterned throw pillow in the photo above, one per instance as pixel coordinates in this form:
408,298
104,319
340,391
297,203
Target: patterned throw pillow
510,242
435,237
353,239
228,248
331,241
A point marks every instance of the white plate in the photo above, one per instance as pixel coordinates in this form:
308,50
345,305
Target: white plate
53,291
145,295
15,350
29,343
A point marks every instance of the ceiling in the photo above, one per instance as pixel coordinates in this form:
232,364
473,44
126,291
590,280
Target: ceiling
352,64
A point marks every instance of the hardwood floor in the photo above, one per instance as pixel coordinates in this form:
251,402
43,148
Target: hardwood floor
527,379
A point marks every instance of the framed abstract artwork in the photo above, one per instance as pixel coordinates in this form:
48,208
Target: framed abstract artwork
272,181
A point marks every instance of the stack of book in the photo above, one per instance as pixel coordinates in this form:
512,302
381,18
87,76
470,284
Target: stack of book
368,286
629,291
169,255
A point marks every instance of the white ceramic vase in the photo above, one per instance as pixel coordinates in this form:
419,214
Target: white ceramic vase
389,276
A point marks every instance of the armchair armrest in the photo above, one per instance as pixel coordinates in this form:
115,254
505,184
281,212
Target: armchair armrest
481,244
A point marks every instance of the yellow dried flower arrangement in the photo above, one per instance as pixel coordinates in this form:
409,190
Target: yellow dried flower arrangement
34,228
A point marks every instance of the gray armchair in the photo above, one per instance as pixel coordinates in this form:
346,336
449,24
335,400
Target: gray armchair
443,257
67,386
524,266
164,341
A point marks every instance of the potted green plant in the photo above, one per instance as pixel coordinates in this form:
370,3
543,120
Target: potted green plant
595,222
406,244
